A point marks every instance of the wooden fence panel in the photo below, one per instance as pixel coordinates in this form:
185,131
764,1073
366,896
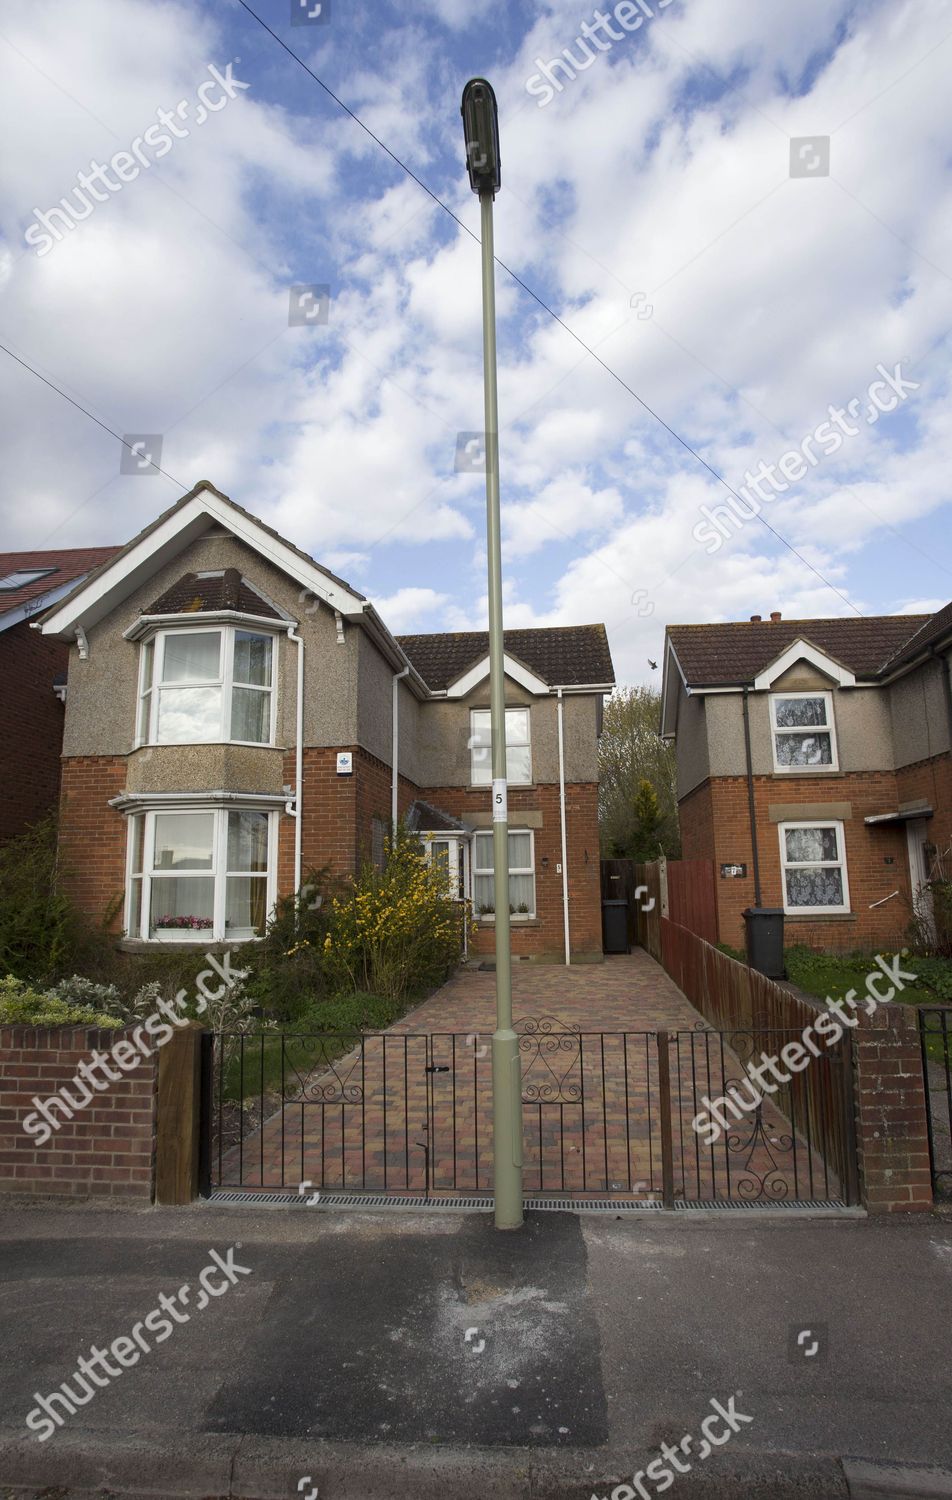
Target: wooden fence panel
735,998
692,896
648,908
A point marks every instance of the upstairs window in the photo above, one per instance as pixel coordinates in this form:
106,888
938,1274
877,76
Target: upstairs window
804,738
206,686
518,747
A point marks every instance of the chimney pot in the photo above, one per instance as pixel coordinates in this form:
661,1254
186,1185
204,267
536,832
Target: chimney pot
776,615
756,619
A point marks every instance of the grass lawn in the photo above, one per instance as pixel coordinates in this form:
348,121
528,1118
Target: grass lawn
832,975
329,1032
256,1068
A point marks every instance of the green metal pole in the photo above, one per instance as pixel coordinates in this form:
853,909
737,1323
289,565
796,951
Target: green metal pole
507,1082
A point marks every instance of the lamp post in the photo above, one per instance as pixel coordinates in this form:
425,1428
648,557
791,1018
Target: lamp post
481,129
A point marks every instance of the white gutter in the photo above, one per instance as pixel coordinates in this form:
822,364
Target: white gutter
395,751
565,855
296,811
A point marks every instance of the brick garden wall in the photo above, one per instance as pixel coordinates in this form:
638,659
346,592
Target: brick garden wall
33,727
891,1112
106,1149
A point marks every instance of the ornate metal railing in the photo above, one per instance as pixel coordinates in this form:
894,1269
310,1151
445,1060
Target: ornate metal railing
604,1114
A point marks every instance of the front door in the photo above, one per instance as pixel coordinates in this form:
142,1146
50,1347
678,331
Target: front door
920,873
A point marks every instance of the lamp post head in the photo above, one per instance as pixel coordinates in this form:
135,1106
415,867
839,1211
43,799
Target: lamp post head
481,132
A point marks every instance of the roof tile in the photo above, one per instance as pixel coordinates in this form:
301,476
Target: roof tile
562,655
735,652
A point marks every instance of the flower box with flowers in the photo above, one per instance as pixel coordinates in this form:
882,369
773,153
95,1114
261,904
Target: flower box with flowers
193,924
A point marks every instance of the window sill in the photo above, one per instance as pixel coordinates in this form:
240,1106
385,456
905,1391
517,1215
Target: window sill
807,771
514,921
182,744
183,944
820,916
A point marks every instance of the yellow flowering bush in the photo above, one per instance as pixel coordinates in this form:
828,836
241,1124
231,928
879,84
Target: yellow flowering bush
397,932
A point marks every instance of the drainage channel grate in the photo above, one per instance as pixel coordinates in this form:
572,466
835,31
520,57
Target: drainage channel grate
769,1205
246,1198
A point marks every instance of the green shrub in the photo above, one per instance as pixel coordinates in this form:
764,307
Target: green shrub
285,972
42,935
20,1005
397,932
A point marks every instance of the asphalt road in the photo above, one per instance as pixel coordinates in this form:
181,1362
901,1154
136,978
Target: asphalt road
410,1354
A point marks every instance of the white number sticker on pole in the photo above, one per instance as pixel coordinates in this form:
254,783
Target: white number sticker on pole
500,802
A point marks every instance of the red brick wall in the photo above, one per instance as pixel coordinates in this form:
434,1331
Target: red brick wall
891,1128
338,812
93,834
696,814
338,832
715,824
930,781
32,736
106,1149
545,937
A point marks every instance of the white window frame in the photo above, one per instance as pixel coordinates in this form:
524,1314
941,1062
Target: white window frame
482,748
478,869
224,681
219,872
828,728
456,867
826,864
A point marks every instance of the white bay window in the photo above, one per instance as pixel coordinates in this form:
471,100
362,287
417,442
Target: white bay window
203,874
206,686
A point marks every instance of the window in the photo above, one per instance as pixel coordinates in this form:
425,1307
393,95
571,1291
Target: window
202,875
521,875
206,686
21,577
518,751
803,735
813,857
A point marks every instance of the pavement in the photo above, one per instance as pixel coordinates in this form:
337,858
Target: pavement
424,1354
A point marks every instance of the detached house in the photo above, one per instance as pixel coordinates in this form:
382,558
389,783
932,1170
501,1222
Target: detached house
813,759
33,673
236,715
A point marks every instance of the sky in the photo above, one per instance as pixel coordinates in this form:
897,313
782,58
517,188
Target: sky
732,217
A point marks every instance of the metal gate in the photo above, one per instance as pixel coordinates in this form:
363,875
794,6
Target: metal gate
935,1033
605,1114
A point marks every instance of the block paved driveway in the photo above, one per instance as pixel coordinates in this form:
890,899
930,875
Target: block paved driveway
410,1110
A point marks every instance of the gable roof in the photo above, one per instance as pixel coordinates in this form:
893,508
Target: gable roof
734,653
561,655
62,568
